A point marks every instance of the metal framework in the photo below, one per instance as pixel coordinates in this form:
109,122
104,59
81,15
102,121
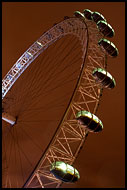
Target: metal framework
70,136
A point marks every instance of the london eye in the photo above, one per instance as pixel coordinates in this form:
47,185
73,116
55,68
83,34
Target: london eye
73,55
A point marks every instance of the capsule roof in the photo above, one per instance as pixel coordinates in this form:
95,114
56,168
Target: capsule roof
104,77
109,47
92,122
96,16
78,14
105,28
64,171
87,13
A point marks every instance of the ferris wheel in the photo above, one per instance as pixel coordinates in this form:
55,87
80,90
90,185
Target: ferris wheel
50,99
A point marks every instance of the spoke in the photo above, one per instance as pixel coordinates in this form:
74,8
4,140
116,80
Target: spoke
39,180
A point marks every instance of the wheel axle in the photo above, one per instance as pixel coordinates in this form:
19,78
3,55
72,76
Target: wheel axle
8,118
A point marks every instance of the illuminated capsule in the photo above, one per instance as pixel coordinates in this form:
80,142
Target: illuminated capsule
109,47
64,172
105,28
104,78
97,17
87,13
89,121
79,14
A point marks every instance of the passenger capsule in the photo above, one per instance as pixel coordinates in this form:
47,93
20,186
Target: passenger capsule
64,172
87,13
109,47
96,16
79,14
104,78
89,121
105,29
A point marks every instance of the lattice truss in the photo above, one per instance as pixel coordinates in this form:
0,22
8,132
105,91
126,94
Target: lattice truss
70,136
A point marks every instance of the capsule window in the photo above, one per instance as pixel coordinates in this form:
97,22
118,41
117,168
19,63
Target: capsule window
70,169
61,166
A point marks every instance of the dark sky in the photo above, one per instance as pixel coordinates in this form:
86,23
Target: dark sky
101,162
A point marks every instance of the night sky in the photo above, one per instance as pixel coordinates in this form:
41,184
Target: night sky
101,162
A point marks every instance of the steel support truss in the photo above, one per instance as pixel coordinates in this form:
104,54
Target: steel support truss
70,136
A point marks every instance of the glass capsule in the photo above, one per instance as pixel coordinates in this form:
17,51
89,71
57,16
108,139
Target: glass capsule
79,14
109,47
87,13
64,172
105,29
104,78
96,16
89,121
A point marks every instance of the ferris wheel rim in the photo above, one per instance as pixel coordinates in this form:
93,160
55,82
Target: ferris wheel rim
59,125
27,51
76,83
27,57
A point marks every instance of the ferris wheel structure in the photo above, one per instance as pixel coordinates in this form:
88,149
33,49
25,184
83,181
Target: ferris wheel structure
70,135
